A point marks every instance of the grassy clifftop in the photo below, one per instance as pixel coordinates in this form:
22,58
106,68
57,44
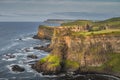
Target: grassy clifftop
109,26
112,23
93,33
78,22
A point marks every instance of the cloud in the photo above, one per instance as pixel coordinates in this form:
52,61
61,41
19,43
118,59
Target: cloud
42,9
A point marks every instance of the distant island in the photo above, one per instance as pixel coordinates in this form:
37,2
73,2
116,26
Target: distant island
58,20
81,46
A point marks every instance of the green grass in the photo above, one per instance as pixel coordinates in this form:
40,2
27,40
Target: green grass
102,32
113,63
71,64
112,19
45,27
113,23
53,60
78,22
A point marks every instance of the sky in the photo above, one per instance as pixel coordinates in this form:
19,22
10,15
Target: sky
40,10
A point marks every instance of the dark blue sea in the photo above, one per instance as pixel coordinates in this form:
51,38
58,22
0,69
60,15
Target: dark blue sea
15,39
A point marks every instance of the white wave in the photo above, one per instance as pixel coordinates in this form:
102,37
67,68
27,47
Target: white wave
27,50
110,76
47,43
9,46
19,54
24,39
27,38
30,61
38,45
28,68
48,75
44,54
12,59
20,62
9,57
30,48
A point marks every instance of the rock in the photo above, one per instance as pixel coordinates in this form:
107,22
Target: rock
45,48
39,67
20,39
8,56
35,37
32,56
27,50
17,68
44,32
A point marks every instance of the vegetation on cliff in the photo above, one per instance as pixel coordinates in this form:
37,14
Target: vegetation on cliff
83,51
45,32
113,23
78,22
53,59
102,32
113,64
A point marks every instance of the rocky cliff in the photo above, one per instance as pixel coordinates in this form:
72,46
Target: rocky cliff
44,32
81,53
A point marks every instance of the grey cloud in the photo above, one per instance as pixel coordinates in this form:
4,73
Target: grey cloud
43,9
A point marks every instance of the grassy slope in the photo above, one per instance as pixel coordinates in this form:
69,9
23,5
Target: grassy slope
114,63
78,22
102,32
113,23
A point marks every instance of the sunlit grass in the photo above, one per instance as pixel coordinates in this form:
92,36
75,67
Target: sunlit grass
102,32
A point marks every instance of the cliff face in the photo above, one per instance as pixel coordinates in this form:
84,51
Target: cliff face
84,50
83,53
44,32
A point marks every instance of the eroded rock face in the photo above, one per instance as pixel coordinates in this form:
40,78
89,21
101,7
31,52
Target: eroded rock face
46,68
44,33
17,68
78,52
86,50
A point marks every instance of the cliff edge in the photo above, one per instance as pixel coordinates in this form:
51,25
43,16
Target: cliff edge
44,32
82,51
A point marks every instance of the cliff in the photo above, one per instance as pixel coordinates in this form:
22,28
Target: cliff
44,32
97,51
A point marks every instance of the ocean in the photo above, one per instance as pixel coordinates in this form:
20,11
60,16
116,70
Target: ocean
15,37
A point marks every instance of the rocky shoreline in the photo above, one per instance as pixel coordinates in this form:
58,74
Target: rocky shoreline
44,48
67,75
